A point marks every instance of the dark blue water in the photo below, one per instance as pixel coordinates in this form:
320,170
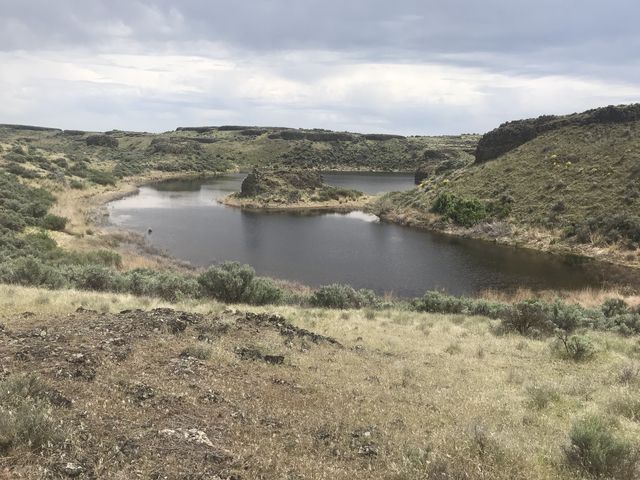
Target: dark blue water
318,249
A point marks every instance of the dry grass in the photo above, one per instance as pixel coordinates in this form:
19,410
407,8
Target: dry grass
587,297
410,396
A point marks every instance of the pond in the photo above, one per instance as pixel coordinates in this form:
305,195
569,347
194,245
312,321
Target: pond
322,248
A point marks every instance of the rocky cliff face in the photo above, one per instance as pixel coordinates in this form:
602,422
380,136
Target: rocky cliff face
511,135
260,182
436,162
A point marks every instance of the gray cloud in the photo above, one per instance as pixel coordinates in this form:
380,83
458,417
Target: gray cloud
459,65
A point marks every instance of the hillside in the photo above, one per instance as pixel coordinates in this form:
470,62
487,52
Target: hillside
574,186
118,154
93,387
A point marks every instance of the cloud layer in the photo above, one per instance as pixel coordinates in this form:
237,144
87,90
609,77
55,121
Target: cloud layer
413,67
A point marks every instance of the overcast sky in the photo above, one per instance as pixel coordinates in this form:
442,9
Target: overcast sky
396,66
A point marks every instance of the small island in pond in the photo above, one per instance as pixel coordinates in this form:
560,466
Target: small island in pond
294,190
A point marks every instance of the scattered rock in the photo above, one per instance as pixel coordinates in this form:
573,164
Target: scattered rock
190,435
81,309
57,399
285,328
139,391
367,450
251,353
71,469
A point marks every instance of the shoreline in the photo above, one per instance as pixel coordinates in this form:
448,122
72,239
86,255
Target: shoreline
523,237
328,206
90,208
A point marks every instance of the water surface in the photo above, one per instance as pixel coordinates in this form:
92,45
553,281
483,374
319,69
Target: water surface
322,248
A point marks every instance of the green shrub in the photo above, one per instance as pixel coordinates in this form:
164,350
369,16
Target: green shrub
488,309
530,318
614,306
342,297
627,324
98,278
12,220
263,291
101,178
436,302
227,282
25,415
595,447
21,171
54,222
173,286
31,272
463,211
577,348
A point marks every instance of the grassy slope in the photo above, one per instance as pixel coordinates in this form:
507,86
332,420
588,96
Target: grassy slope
593,170
410,396
560,178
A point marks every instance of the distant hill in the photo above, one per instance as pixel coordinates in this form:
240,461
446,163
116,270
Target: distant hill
574,180
215,149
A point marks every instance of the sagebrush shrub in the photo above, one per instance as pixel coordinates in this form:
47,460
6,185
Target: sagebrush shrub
25,414
54,222
596,448
343,296
262,291
227,282
530,317
614,306
463,211
578,348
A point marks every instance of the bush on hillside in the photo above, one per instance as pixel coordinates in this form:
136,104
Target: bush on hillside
54,222
578,348
11,220
26,418
97,278
528,318
343,297
30,271
462,211
227,282
613,228
597,449
101,178
614,306
262,291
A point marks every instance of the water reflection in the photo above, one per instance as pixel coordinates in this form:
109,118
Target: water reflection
322,248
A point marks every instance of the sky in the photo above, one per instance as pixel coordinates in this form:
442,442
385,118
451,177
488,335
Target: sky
411,67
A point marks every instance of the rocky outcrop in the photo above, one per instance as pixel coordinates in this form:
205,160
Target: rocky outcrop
175,146
511,135
293,189
437,162
102,141
260,182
